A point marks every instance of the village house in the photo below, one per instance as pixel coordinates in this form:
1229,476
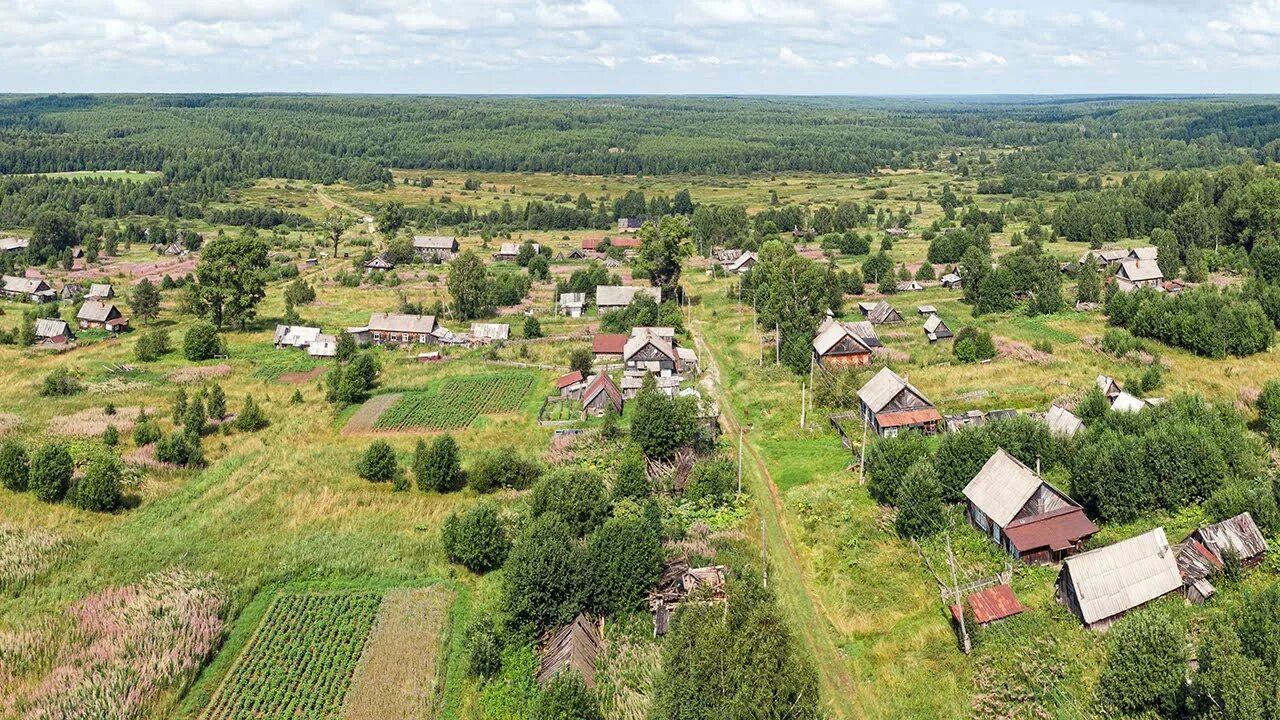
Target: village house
974,418
573,648
926,310
608,347
379,263
590,244
52,331
1029,518
1101,585
935,329
485,333
743,263
1105,257
627,243
884,314
910,286
295,336
1134,274
952,281
600,393
572,304
1109,387
687,361
511,251
630,225
617,297
397,329
889,405
1207,550
571,385
677,584
71,291
1062,422
13,244
98,315
27,289
836,345
440,248
1151,253
100,291
648,350
323,346
989,605
633,382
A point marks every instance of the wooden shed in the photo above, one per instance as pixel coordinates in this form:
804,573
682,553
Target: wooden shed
573,647
1101,585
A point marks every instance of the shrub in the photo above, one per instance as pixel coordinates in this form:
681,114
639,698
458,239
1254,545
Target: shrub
576,494
972,345
580,360
181,448
920,508
145,430
438,466
532,328
543,585
1119,343
1146,665
625,560
378,464
714,480
251,418
485,657
660,424
13,465
476,539
59,383
111,436
217,403
500,468
633,477
1268,406
50,472
99,489
201,342
567,697
888,460
151,345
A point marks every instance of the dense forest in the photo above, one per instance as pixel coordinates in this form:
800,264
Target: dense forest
212,140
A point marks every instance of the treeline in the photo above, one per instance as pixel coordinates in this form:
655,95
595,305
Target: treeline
1205,321
218,138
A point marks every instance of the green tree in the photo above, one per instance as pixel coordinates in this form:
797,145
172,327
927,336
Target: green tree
921,511
575,494
50,473
476,539
633,480
887,463
1268,406
660,424
542,578
469,285
580,359
437,467
1169,252
13,465
625,562
201,342
335,223
663,247
378,463
532,328
99,489
926,272
566,697
231,276
251,417
391,218
217,403
1088,284
145,430
1146,665
144,301
151,344
713,480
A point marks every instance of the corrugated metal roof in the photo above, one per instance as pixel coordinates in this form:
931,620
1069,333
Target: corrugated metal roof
1120,577
908,417
435,242
49,327
296,335
615,295
565,381
994,603
1057,530
608,343
491,331
1002,487
1239,534
392,322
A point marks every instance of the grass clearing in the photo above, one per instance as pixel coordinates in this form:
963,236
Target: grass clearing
396,678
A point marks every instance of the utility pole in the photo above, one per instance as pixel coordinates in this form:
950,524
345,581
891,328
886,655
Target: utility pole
862,462
777,343
739,461
801,406
951,563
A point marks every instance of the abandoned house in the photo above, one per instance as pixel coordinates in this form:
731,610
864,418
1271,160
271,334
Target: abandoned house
889,405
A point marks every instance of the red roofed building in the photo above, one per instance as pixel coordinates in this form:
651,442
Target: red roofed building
626,243
571,385
609,346
601,392
590,243
994,603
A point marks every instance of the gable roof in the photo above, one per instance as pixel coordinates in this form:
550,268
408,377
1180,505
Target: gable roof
573,647
100,290
994,603
602,383
647,336
435,242
1002,487
379,263
395,322
97,311
1122,576
323,346
933,322
1140,270
832,333
491,331
609,343
1057,530
51,327
30,286
1063,422
565,381
1127,403
864,330
1239,534
573,299
926,310
883,312
744,258
623,294
296,335
950,278
883,388
1145,253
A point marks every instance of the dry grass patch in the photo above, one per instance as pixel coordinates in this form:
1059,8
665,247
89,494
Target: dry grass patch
8,422
396,677
364,419
26,554
94,421
192,374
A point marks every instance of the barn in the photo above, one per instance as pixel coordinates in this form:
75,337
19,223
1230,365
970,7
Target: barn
1101,585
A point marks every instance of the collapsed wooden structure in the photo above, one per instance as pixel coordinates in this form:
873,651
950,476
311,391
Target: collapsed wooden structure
573,647
681,583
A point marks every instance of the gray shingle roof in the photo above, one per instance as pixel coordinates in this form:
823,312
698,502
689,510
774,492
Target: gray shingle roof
615,295
50,327
884,387
393,322
1002,487
96,311
435,242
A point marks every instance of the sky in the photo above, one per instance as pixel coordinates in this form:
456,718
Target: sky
806,47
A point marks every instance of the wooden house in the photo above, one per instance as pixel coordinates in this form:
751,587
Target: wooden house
680,583
743,263
1106,256
836,345
379,263
617,297
935,329
1062,422
440,248
627,243
98,315
1196,565
295,336
590,244
485,333
323,346
600,393
13,244
910,286
70,291
687,361
866,307
572,304
509,252
606,347
1134,274
572,648
889,405
884,314
1150,252
1029,518
649,351
1100,586
399,329
52,331
571,384
1238,536
27,289
1109,387
952,281
100,291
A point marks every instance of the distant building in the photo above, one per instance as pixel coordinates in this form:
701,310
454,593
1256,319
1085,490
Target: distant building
1101,585
1062,422
98,315
435,247
295,336
397,329
608,346
889,405
323,346
485,333
571,385
617,297
27,289
100,291
511,251
572,648
935,329
572,304
836,345
379,263
910,286
1134,274
599,394
951,281
743,263
884,314
13,244
649,351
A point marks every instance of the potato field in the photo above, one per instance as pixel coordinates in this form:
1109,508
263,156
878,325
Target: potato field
300,660
457,402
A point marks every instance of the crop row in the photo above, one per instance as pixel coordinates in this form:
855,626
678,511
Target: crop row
457,402
300,661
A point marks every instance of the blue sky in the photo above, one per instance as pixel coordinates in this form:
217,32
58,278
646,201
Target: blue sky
630,46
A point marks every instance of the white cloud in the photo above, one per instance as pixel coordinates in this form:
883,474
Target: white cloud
952,11
791,58
1105,21
1072,60
951,60
358,23
926,41
588,13
1005,18
881,59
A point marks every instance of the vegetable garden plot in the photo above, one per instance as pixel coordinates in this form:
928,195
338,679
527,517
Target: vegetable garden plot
300,660
457,402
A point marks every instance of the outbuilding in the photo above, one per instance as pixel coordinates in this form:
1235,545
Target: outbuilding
1101,585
